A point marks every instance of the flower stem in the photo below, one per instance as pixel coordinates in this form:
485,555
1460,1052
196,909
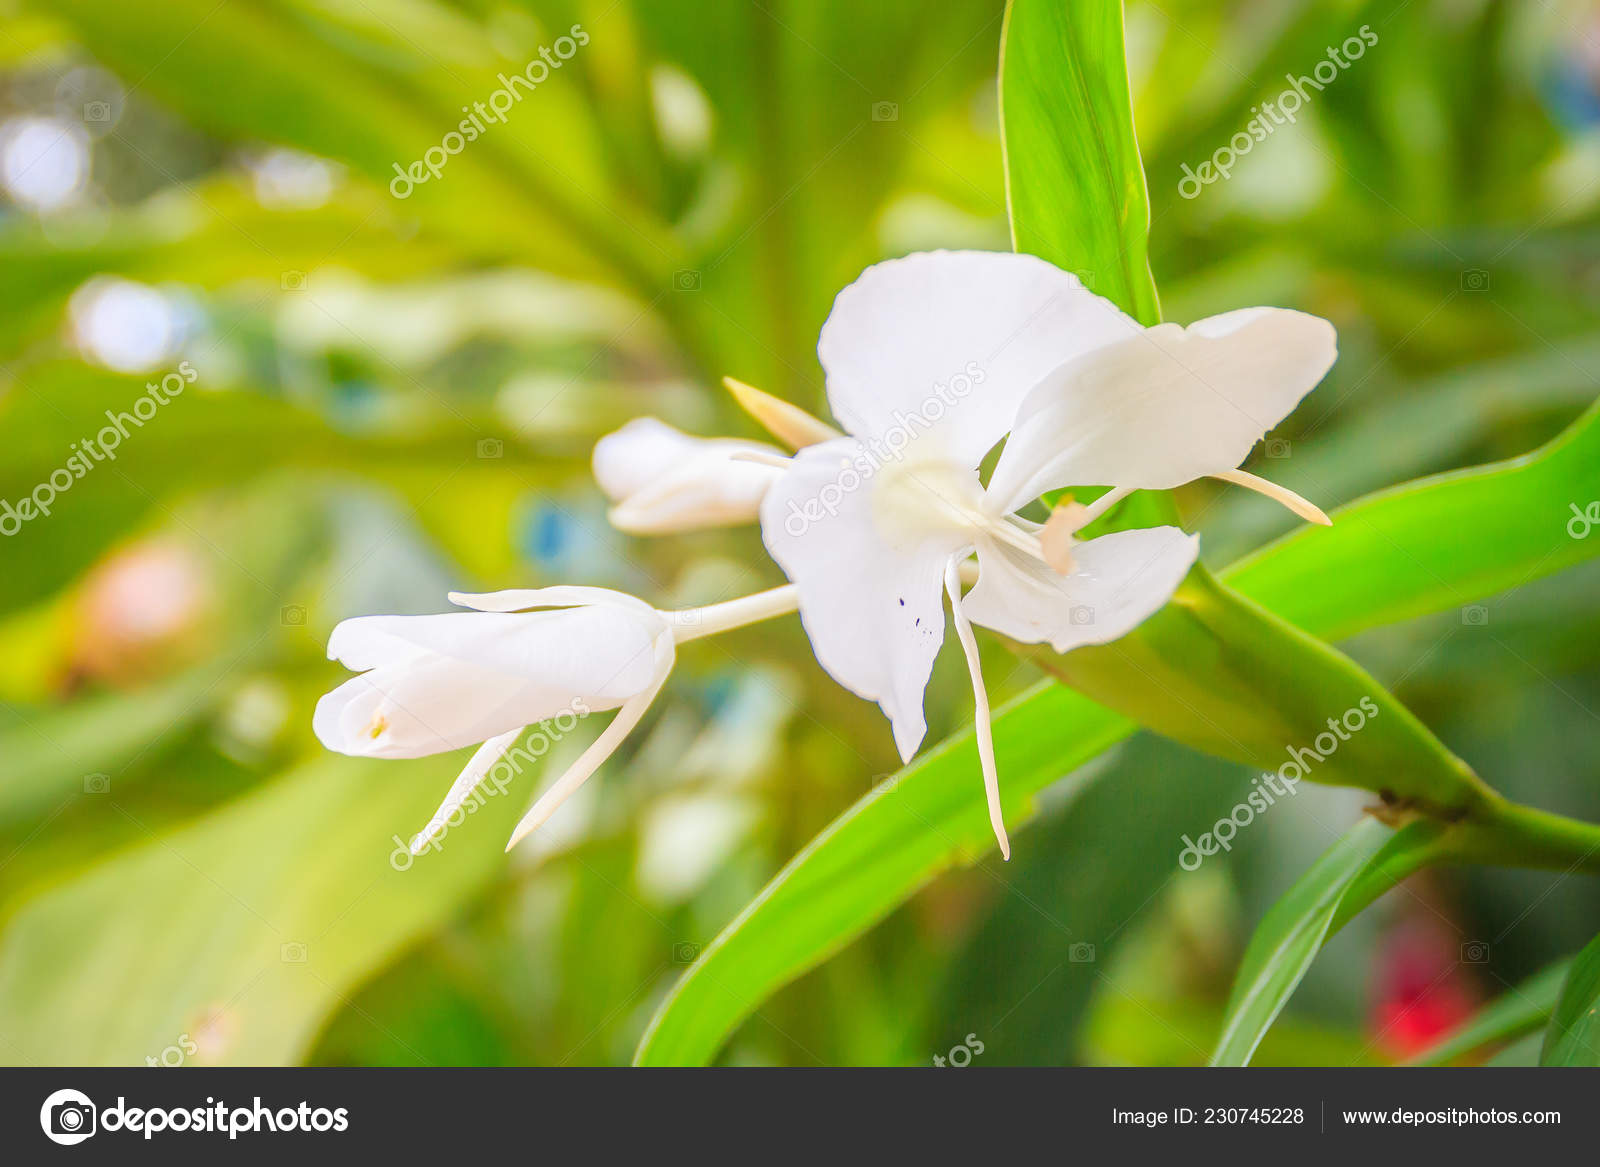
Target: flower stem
694,623
1510,834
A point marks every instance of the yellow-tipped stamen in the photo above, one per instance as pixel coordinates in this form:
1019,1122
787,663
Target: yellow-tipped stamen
376,726
1306,509
790,424
980,700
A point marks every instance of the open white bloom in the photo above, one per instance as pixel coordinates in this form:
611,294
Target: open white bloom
435,683
663,480
930,360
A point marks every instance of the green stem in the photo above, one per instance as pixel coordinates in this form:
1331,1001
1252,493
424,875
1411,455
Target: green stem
1511,835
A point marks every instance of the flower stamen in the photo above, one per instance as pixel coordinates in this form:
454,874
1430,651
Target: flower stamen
980,701
1279,494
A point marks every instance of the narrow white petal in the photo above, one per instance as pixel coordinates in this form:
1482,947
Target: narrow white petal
980,701
629,716
1165,407
950,341
1117,582
477,766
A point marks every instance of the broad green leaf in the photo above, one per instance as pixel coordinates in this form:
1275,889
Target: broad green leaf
1074,181
1436,543
1573,1038
245,929
1522,1010
1219,673
1362,865
924,820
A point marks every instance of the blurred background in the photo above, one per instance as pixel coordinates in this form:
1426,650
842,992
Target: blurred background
388,395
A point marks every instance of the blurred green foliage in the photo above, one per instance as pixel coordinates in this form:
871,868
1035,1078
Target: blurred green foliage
397,396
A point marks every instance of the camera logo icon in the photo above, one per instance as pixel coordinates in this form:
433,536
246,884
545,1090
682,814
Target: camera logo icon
1475,279
97,783
1475,952
684,952
491,448
292,615
292,281
68,1117
1277,448
687,280
1475,615
1081,615
294,952
885,111
1081,954
97,112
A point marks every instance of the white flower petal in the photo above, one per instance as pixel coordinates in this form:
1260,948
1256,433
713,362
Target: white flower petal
953,340
444,682
430,706
601,651
631,713
664,480
1119,581
1166,407
566,596
869,582
477,766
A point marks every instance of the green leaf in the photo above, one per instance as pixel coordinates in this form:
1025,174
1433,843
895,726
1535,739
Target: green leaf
49,754
1222,674
1074,181
249,925
202,438
1090,878
1362,865
919,823
340,82
1573,1038
1436,543
1522,1010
